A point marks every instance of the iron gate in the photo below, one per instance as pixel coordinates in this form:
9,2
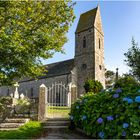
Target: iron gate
58,100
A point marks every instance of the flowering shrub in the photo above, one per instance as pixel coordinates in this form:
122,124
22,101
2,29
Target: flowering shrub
112,114
22,106
5,103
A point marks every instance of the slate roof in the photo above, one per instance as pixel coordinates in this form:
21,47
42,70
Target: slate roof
60,68
86,20
55,69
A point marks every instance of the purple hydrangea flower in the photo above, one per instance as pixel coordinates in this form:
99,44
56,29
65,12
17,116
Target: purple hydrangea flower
77,107
84,117
71,117
123,133
116,95
101,134
119,90
110,118
125,125
137,99
100,120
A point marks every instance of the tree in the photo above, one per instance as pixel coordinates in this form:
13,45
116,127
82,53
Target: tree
93,86
127,82
133,59
31,31
109,78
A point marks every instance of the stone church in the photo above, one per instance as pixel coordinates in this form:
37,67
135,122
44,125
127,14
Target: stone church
88,62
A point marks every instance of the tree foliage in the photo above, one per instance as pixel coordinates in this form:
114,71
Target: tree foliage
93,86
29,31
109,78
127,82
133,59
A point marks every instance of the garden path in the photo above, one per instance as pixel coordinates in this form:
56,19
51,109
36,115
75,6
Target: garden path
63,134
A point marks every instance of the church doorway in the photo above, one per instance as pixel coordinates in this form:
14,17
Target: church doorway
58,100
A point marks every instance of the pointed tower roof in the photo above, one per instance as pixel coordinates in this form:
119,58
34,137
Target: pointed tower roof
86,20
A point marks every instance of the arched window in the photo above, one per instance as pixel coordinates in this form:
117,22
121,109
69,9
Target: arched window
100,67
84,66
84,42
99,43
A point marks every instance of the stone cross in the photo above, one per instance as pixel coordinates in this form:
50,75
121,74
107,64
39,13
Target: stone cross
16,94
42,103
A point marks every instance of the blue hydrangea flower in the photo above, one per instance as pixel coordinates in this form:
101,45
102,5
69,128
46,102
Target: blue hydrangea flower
123,133
116,95
139,107
125,99
125,125
100,120
77,107
137,99
101,134
119,90
110,118
71,117
129,101
139,91
84,117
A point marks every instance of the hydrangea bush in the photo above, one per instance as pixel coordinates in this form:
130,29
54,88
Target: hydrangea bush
109,114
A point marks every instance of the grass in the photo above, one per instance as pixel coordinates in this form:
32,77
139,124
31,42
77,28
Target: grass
59,111
32,129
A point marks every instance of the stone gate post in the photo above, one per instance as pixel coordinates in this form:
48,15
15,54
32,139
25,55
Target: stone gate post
42,103
73,93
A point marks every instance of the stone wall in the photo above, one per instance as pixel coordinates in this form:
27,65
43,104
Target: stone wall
84,58
99,49
89,60
31,88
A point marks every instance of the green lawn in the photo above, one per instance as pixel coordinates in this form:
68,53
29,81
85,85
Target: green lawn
58,111
32,129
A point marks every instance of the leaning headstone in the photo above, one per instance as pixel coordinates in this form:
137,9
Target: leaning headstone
42,103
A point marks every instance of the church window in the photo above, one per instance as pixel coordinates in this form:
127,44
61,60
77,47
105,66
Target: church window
84,42
99,43
84,66
100,67
32,92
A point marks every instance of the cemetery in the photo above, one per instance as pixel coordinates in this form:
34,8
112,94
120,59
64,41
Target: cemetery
76,98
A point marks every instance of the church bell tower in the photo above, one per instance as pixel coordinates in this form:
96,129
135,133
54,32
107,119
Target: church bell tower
89,49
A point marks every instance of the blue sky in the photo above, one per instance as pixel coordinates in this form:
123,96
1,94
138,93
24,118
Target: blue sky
121,21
